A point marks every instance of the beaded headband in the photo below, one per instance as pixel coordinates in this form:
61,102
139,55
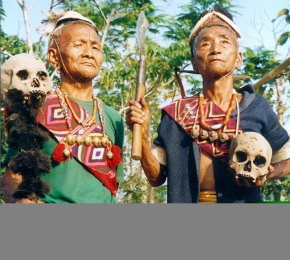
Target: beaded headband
213,18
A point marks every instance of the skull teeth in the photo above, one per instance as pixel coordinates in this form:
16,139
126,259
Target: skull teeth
37,91
249,177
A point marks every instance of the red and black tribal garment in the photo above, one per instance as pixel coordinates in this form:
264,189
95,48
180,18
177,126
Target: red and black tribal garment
183,112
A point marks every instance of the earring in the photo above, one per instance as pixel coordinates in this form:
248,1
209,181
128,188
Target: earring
57,68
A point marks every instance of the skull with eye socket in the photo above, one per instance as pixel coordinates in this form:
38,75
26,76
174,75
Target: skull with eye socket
28,75
24,86
249,158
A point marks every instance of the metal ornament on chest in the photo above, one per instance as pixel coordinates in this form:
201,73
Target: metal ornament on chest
204,131
95,139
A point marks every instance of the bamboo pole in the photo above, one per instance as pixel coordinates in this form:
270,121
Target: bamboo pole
272,73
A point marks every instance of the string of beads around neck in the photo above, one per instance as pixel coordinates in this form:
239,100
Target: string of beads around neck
95,139
206,131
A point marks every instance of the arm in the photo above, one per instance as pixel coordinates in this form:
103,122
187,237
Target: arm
139,113
279,170
280,164
9,183
151,165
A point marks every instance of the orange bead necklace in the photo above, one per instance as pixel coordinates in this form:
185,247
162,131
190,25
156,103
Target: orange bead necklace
212,135
230,109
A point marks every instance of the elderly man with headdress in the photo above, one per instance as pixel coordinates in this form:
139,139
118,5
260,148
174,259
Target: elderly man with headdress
192,147
86,135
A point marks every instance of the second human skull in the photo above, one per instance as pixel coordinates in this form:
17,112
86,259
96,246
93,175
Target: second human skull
26,73
249,157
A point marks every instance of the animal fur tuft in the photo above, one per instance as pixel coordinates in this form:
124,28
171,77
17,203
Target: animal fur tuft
28,137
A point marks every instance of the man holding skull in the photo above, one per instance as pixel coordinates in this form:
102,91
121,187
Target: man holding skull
192,148
86,136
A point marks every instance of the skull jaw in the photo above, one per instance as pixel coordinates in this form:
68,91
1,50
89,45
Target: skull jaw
17,101
243,179
34,99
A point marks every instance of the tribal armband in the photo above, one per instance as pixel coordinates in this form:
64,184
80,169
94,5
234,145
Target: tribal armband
282,154
160,154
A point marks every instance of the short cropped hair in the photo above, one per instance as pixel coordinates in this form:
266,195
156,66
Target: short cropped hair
59,29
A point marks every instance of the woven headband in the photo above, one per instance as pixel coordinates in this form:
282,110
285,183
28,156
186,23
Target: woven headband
54,19
213,18
72,16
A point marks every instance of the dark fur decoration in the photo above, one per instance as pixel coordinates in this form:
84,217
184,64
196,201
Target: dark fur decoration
27,136
29,164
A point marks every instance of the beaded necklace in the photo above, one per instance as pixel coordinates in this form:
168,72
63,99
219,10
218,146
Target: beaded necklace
212,135
95,139
92,121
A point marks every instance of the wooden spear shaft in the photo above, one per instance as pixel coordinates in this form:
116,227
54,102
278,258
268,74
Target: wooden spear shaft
272,73
136,152
142,26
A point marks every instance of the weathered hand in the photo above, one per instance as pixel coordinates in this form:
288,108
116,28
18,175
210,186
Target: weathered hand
138,113
27,201
248,182
9,183
278,170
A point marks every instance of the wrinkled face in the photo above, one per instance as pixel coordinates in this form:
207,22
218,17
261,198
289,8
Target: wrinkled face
81,52
26,73
249,157
216,52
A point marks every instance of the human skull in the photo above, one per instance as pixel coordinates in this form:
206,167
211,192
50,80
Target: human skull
249,157
24,72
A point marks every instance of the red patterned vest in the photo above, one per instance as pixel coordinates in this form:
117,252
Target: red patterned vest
183,112
93,158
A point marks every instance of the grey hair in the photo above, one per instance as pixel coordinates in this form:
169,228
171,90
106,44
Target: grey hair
59,29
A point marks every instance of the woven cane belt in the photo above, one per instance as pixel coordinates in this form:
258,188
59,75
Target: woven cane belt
207,197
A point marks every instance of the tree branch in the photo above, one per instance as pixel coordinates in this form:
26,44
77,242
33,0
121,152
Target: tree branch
5,52
112,39
27,25
107,21
101,11
33,3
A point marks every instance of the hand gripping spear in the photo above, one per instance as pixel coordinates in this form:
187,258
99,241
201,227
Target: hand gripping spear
142,25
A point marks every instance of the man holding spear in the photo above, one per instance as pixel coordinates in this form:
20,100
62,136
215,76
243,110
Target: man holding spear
194,135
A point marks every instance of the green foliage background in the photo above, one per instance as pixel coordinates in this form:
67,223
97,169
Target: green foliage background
116,21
